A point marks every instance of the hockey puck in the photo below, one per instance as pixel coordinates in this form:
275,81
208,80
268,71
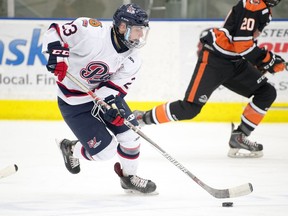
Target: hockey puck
227,204
16,167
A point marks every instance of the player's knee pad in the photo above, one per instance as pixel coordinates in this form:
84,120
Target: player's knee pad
108,152
129,144
185,110
265,96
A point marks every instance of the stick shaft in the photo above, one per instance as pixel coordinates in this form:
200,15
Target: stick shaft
217,193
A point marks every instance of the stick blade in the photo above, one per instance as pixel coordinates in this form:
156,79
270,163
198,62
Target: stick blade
9,170
241,190
237,191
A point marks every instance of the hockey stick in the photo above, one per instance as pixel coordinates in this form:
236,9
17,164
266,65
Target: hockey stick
9,170
237,191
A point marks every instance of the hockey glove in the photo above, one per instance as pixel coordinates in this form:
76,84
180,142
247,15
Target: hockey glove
114,115
58,59
272,63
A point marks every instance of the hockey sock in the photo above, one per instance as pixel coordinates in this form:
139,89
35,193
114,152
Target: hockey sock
159,114
129,159
250,118
80,152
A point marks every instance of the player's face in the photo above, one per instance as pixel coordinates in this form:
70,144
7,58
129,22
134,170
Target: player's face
137,35
136,32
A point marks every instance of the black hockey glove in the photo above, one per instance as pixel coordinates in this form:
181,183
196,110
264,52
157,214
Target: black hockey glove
272,63
114,115
57,62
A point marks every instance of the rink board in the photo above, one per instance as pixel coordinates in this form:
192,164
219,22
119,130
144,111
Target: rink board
28,91
212,112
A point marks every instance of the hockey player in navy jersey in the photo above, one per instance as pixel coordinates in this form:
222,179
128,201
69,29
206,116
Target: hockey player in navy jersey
230,57
105,59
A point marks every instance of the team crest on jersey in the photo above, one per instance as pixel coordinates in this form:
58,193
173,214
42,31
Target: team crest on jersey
95,72
95,23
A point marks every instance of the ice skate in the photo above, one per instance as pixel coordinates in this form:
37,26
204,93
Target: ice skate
72,164
241,147
135,184
139,117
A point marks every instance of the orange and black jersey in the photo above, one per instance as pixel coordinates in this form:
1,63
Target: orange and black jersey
236,38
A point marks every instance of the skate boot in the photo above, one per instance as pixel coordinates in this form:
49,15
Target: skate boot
139,117
241,147
135,184
72,164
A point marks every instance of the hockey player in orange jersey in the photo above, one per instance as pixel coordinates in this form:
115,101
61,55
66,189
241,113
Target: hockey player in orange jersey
230,57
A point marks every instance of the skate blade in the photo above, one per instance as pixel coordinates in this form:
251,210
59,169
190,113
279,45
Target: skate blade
135,192
243,153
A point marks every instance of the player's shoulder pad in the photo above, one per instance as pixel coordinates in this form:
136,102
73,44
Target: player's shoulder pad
86,23
254,5
89,26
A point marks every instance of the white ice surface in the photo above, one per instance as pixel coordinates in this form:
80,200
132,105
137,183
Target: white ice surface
43,187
